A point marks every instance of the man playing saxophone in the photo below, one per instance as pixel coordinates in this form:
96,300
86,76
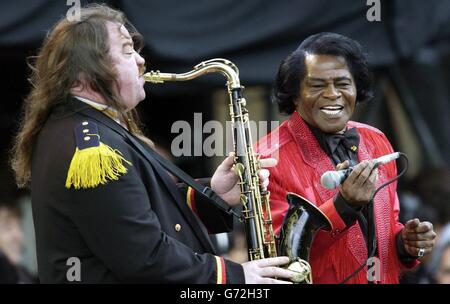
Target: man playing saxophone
98,202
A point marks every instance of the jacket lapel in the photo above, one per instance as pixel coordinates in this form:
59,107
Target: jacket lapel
316,158
381,204
312,154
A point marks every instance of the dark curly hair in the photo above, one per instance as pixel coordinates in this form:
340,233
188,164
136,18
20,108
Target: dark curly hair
292,69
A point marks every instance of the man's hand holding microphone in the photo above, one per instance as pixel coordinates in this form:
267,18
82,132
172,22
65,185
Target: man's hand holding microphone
358,184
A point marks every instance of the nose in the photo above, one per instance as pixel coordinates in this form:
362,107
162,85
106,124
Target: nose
331,92
140,61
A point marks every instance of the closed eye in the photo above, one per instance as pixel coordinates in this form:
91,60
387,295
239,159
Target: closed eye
342,84
128,48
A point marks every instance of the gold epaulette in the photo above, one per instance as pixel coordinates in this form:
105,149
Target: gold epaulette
93,162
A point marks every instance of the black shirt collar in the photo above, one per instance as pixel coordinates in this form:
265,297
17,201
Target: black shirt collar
339,147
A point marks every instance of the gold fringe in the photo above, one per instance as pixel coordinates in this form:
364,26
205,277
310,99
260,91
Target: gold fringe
95,165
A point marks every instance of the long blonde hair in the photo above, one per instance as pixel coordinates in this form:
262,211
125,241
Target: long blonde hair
71,48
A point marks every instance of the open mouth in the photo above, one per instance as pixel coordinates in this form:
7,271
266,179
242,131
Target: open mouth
332,110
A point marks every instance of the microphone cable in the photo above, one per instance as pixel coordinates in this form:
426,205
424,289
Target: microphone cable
370,221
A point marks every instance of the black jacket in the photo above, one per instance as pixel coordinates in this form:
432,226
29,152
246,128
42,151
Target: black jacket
134,229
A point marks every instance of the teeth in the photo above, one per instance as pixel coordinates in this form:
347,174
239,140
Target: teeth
331,112
332,108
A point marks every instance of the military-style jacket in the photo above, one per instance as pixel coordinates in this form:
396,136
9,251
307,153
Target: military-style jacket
101,205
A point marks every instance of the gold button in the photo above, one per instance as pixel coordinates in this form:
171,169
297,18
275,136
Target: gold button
87,138
85,123
85,130
177,227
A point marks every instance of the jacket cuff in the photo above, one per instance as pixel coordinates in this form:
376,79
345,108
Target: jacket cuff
347,213
221,273
229,272
337,223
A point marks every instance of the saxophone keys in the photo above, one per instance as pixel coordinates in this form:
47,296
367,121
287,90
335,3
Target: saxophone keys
239,169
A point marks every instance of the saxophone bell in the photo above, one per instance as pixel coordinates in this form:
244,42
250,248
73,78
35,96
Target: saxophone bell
300,225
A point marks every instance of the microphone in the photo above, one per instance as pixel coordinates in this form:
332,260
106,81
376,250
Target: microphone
332,179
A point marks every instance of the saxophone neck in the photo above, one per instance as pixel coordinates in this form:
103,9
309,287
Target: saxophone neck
217,65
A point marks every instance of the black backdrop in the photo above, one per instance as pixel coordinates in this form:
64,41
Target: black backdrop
254,34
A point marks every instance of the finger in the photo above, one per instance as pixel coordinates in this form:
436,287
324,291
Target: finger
424,227
363,178
228,162
343,165
356,172
277,272
278,261
263,174
264,178
265,184
414,251
361,175
420,244
371,180
268,162
412,224
414,236
274,281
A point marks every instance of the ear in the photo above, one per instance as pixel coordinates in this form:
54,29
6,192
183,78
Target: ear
77,88
79,85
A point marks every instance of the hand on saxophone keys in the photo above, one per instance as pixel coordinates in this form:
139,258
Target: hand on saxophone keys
268,271
225,180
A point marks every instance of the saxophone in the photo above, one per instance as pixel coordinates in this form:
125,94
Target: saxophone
261,242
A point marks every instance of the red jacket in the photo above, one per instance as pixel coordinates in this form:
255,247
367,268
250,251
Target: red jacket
301,163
